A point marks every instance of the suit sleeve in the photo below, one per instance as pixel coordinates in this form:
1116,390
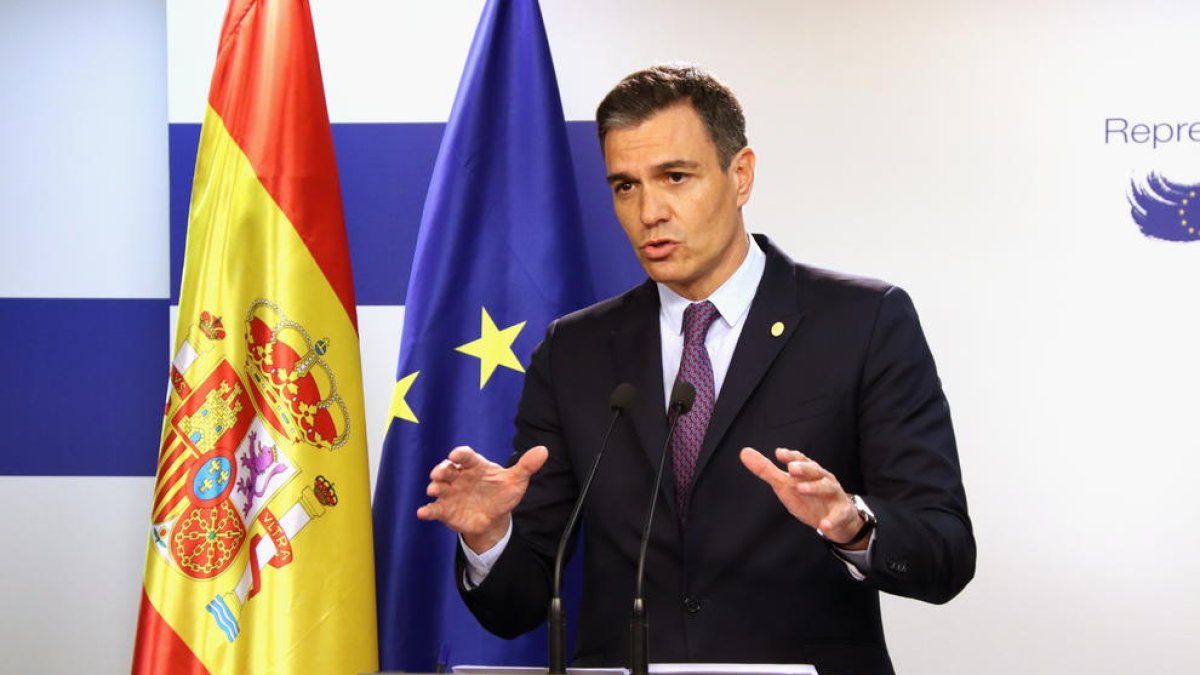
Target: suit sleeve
924,546
514,597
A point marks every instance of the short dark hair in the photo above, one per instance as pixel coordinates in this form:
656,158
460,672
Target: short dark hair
646,92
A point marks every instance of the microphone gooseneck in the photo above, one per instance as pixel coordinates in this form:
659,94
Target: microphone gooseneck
619,401
683,395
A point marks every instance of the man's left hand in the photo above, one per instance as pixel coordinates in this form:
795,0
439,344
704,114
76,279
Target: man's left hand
810,493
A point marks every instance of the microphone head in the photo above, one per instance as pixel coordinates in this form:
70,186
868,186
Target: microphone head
622,397
683,395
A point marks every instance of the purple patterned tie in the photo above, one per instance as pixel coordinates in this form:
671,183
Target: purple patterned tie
696,370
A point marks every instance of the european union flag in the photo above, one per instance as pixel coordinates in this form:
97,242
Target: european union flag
500,254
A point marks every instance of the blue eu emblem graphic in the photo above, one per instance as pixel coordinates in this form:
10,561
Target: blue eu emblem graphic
1164,209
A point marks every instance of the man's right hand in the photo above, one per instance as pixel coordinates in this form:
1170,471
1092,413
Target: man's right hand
475,496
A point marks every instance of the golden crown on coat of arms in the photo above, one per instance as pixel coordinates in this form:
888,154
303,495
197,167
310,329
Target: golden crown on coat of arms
292,384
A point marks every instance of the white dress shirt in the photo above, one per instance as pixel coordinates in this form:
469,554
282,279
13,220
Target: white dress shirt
732,301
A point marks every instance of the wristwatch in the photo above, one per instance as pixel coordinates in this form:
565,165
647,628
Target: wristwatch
864,512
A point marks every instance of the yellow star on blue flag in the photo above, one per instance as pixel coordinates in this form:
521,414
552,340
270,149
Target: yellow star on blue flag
400,408
493,348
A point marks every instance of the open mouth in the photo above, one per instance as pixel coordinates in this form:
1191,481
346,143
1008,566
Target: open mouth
658,249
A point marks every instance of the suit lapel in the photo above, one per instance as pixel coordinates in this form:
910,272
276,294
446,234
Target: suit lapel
637,353
775,302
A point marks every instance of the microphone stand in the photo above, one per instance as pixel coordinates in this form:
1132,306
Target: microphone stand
619,401
682,397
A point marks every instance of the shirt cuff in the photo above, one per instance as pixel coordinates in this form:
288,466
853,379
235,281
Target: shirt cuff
858,563
480,564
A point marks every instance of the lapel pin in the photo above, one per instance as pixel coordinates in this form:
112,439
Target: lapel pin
777,329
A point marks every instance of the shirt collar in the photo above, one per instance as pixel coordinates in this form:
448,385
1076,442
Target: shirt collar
732,299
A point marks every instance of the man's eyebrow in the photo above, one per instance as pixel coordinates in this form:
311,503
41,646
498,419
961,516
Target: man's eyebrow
664,167
676,164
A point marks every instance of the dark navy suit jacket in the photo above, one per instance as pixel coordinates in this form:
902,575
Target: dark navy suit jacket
850,382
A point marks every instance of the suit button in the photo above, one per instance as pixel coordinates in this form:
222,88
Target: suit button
691,604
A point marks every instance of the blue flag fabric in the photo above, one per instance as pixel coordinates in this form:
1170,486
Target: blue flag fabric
499,255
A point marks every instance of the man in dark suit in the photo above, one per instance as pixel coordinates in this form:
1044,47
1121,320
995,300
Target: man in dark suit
754,557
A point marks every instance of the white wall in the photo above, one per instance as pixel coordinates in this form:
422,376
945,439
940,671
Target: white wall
84,144
954,148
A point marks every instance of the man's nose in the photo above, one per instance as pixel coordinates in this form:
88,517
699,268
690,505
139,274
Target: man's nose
654,208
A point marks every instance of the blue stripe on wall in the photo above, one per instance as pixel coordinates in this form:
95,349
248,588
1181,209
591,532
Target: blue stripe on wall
85,384
85,379
385,170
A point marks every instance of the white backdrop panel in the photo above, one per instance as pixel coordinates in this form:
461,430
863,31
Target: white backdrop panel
83,163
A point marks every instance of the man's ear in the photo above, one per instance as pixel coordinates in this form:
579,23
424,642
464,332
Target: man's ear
742,166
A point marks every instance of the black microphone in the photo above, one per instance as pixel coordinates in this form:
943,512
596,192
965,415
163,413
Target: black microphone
619,401
682,397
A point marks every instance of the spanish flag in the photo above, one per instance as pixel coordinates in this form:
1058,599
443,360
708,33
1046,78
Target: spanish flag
259,542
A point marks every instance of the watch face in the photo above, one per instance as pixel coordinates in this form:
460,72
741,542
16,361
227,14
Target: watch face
863,510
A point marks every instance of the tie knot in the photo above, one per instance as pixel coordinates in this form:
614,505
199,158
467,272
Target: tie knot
696,319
